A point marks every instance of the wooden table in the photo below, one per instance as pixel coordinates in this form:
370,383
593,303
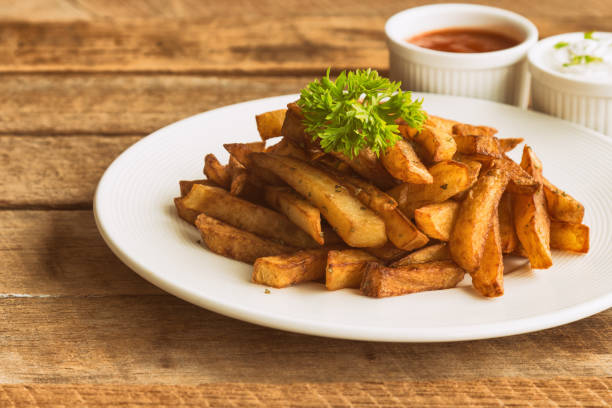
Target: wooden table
83,80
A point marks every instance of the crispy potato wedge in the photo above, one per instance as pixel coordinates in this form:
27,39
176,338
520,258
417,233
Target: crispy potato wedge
368,166
286,148
488,279
562,206
467,240
401,231
381,281
569,237
521,182
431,253
437,144
387,252
355,223
217,172
242,214
531,164
284,270
437,220
242,152
402,162
508,237
450,178
482,147
269,124
464,129
185,185
446,125
293,129
508,144
234,243
345,268
299,211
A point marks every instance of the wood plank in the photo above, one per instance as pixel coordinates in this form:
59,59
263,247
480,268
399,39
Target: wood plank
161,339
124,104
55,171
55,253
574,392
240,38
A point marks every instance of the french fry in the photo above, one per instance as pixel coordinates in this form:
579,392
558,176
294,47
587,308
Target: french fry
286,148
431,253
241,151
185,185
345,268
521,182
508,237
380,281
467,240
269,124
562,206
401,231
507,144
301,212
368,166
387,252
280,271
355,223
242,214
216,172
436,220
482,147
464,129
437,144
293,129
450,178
446,125
234,243
488,279
569,237
402,162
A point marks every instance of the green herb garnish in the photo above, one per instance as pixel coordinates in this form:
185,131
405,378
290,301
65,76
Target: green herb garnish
358,110
561,44
582,59
588,35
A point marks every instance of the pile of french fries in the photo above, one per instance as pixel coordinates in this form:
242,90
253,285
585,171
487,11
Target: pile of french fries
443,201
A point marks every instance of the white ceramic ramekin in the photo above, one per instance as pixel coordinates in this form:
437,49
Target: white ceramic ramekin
580,100
499,75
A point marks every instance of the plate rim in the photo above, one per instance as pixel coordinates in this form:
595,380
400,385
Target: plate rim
365,333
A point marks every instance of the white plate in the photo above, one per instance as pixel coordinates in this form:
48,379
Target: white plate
135,214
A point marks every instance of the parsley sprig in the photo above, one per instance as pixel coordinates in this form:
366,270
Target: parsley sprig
358,110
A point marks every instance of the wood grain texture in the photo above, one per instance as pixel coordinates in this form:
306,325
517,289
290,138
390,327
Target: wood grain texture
124,104
161,339
55,253
557,392
234,38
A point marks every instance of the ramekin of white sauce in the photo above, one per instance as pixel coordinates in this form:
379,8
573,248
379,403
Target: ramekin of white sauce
572,78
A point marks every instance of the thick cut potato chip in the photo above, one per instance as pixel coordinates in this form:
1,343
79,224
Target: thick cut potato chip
355,223
508,237
507,144
480,147
402,162
437,145
280,271
242,152
569,237
368,166
185,185
437,220
387,252
401,231
488,279
474,219
431,253
521,182
301,212
269,124
286,148
464,129
234,243
382,281
345,268
294,130
242,214
450,178
562,206
216,172
446,125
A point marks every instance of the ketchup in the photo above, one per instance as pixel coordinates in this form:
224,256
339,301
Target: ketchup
463,40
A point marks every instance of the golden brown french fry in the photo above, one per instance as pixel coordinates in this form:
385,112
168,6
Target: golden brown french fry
301,212
269,124
464,129
482,147
436,220
488,279
293,129
450,178
216,172
508,237
185,185
531,220
446,125
368,166
284,270
474,219
402,162
521,182
507,144
234,243
401,231
355,223
569,237
242,152
345,268
437,145
387,252
242,214
562,206
431,253
286,148
381,281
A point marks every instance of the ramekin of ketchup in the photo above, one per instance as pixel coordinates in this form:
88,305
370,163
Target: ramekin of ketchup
461,49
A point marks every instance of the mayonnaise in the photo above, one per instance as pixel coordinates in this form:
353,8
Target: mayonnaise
589,57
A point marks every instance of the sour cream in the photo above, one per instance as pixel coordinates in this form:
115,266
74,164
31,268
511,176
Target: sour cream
582,56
